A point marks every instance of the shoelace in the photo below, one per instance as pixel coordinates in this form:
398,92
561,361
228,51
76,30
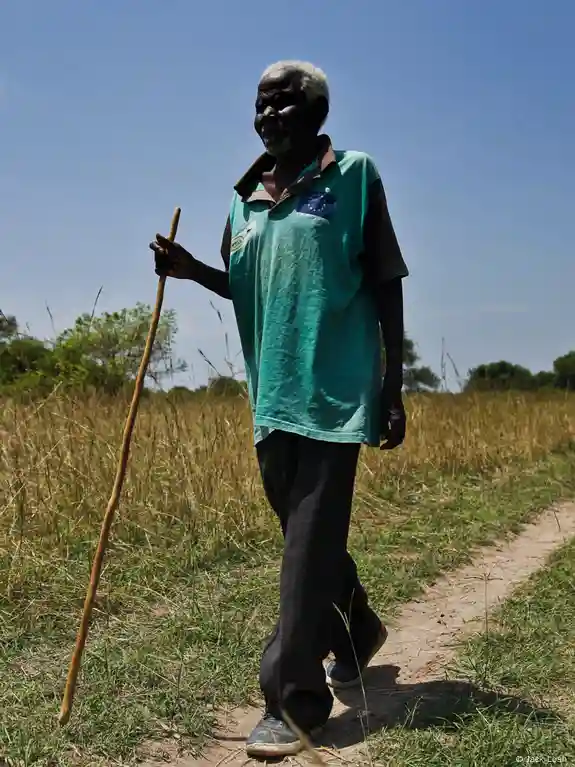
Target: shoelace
271,719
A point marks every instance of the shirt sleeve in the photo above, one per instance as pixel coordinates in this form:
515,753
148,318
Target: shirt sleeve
382,258
226,244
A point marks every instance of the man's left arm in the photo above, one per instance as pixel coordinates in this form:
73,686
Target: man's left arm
384,270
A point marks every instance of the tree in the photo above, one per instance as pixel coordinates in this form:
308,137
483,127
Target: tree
102,352
420,379
497,376
227,386
416,378
105,351
564,369
180,393
26,363
8,326
544,379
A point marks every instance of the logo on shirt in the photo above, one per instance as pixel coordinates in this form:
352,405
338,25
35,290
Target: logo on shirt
239,240
321,204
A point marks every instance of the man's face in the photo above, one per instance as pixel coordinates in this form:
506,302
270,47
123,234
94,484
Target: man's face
284,118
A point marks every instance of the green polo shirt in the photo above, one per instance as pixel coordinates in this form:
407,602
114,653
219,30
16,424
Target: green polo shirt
301,276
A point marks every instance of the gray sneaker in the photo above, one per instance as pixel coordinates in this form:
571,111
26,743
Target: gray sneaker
271,738
340,676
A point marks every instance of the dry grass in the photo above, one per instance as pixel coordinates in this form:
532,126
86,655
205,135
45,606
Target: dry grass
193,464
188,590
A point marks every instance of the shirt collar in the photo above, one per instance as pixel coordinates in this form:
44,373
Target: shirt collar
247,185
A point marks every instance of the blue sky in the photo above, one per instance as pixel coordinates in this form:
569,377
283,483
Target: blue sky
112,112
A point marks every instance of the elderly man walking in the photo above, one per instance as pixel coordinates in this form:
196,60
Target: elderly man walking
314,271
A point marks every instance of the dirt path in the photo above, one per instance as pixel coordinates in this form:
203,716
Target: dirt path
410,667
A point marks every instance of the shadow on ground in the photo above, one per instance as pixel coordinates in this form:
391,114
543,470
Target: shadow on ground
439,703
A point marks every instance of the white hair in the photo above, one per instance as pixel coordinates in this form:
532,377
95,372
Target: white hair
313,79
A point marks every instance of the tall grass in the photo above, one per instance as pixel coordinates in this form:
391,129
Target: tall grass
193,465
193,477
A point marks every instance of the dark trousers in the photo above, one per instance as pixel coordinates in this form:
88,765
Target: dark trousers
309,485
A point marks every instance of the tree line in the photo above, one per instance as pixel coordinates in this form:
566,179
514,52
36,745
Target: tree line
103,352
503,375
99,353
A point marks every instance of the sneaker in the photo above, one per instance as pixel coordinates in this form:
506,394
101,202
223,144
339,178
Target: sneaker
340,675
272,738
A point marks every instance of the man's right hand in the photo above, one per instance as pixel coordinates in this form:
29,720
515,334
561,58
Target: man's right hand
172,260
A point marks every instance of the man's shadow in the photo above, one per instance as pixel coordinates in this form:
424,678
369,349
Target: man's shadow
440,703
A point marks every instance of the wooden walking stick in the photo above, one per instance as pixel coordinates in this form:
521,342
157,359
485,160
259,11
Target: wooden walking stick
114,498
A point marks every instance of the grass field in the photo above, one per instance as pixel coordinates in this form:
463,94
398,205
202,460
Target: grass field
188,593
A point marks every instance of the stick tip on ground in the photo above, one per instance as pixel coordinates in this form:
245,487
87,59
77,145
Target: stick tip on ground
64,717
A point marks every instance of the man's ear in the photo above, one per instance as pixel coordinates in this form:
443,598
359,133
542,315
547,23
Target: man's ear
320,111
